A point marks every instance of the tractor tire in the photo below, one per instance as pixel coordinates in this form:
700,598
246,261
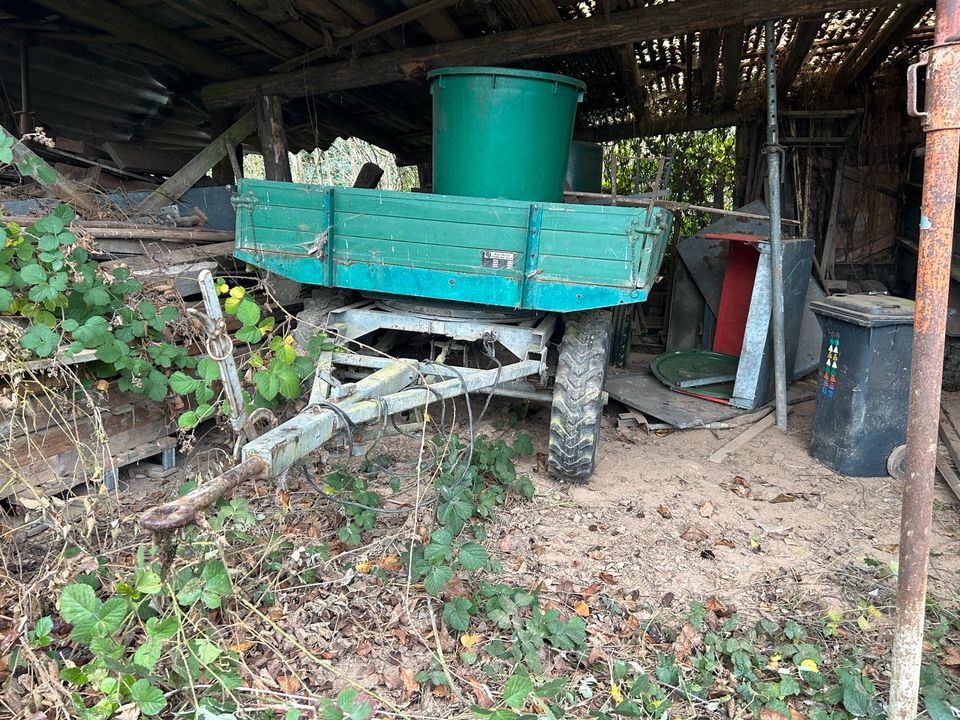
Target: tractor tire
313,317
578,396
951,364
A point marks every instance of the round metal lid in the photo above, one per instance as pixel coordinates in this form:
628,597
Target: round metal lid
685,370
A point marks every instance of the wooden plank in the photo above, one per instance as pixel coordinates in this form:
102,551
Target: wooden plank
800,45
625,26
169,234
127,156
633,79
145,264
730,60
744,438
438,24
29,163
133,28
244,25
369,176
184,179
870,50
951,440
709,60
273,138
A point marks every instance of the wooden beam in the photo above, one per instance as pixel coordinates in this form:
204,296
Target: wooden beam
229,17
438,24
800,45
273,138
187,176
141,158
730,60
409,15
658,126
135,29
633,79
870,50
574,36
28,163
369,176
709,60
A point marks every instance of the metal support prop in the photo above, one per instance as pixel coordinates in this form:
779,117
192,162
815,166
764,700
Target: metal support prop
24,117
941,121
776,232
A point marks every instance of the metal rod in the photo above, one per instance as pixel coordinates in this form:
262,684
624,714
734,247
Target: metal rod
603,198
941,121
776,231
183,511
25,122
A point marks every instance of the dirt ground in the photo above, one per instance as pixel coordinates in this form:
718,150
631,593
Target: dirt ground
767,532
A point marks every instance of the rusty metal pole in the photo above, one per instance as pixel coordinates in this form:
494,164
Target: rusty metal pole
941,121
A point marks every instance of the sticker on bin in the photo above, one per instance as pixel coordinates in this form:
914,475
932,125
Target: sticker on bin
828,382
498,259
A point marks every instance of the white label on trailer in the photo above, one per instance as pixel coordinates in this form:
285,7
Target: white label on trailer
499,259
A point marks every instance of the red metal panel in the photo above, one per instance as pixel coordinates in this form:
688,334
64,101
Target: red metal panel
738,278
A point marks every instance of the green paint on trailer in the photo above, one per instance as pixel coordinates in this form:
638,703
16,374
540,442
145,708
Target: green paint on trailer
509,253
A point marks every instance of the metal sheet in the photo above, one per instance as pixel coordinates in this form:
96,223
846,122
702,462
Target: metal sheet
808,346
705,259
687,308
643,392
754,386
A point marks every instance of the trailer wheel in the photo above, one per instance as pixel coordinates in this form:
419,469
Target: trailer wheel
578,396
313,317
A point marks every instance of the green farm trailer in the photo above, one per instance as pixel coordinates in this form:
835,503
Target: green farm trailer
492,267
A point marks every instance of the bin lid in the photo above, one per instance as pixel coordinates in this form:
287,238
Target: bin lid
869,310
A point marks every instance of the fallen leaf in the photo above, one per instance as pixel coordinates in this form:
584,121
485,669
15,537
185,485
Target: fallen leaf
130,711
667,599
715,606
892,549
288,683
480,692
687,641
283,499
241,647
706,509
615,692
952,657
102,385
439,691
406,679
784,498
590,590
664,512
468,640
391,563
726,542
768,714
608,578
581,609
597,654
809,665
694,535
362,567
797,715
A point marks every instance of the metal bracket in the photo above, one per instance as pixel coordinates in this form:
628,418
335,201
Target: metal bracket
943,87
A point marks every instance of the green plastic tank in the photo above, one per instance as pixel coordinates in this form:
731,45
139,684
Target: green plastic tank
585,167
502,133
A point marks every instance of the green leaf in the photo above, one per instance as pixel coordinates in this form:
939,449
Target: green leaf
183,384
436,578
162,629
266,384
937,709
288,382
89,616
472,556
147,582
32,274
94,332
249,334
456,614
6,299
207,369
216,583
149,699
187,420
112,614
522,444
148,310
97,296
41,340
248,312
516,690
148,654
169,313
286,354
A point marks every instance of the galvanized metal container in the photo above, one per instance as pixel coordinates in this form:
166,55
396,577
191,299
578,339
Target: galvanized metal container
502,133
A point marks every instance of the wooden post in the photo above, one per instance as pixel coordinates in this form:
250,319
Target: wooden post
184,179
369,176
273,138
223,173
